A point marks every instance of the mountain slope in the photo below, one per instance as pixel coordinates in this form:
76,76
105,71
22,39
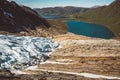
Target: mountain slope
60,10
16,18
105,15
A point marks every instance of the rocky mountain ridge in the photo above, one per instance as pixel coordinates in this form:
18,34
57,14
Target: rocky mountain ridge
60,10
108,16
16,18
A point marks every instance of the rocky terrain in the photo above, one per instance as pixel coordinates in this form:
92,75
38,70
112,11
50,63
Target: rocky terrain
62,11
81,54
108,16
78,57
43,75
21,20
16,18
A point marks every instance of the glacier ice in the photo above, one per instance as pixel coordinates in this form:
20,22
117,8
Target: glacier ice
20,52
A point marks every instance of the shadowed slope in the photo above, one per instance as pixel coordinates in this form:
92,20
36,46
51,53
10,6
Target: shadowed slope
16,18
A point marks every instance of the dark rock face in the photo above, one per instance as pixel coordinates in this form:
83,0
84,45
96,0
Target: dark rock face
16,18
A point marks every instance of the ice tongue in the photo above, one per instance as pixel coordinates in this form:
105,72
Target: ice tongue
21,52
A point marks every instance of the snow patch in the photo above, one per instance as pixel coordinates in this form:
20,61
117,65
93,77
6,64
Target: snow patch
60,47
53,62
89,75
8,14
64,60
18,72
32,68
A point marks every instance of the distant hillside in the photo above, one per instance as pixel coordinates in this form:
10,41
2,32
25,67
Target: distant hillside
16,18
105,15
60,10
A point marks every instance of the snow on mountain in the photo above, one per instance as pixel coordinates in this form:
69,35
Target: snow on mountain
21,52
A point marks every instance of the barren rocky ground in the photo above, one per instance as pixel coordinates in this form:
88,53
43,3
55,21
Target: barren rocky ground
84,54
76,56
42,75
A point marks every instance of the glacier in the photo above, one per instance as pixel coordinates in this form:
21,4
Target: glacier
20,52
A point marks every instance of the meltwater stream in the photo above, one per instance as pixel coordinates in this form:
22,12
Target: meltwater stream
21,52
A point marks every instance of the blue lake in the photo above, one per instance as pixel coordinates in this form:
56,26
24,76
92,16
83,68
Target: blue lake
89,29
52,17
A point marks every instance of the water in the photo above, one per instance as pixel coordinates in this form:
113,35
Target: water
89,29
53,17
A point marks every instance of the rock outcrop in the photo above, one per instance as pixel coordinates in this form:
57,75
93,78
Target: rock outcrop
16,18
84,54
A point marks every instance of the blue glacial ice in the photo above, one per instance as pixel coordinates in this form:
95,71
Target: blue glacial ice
21,52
